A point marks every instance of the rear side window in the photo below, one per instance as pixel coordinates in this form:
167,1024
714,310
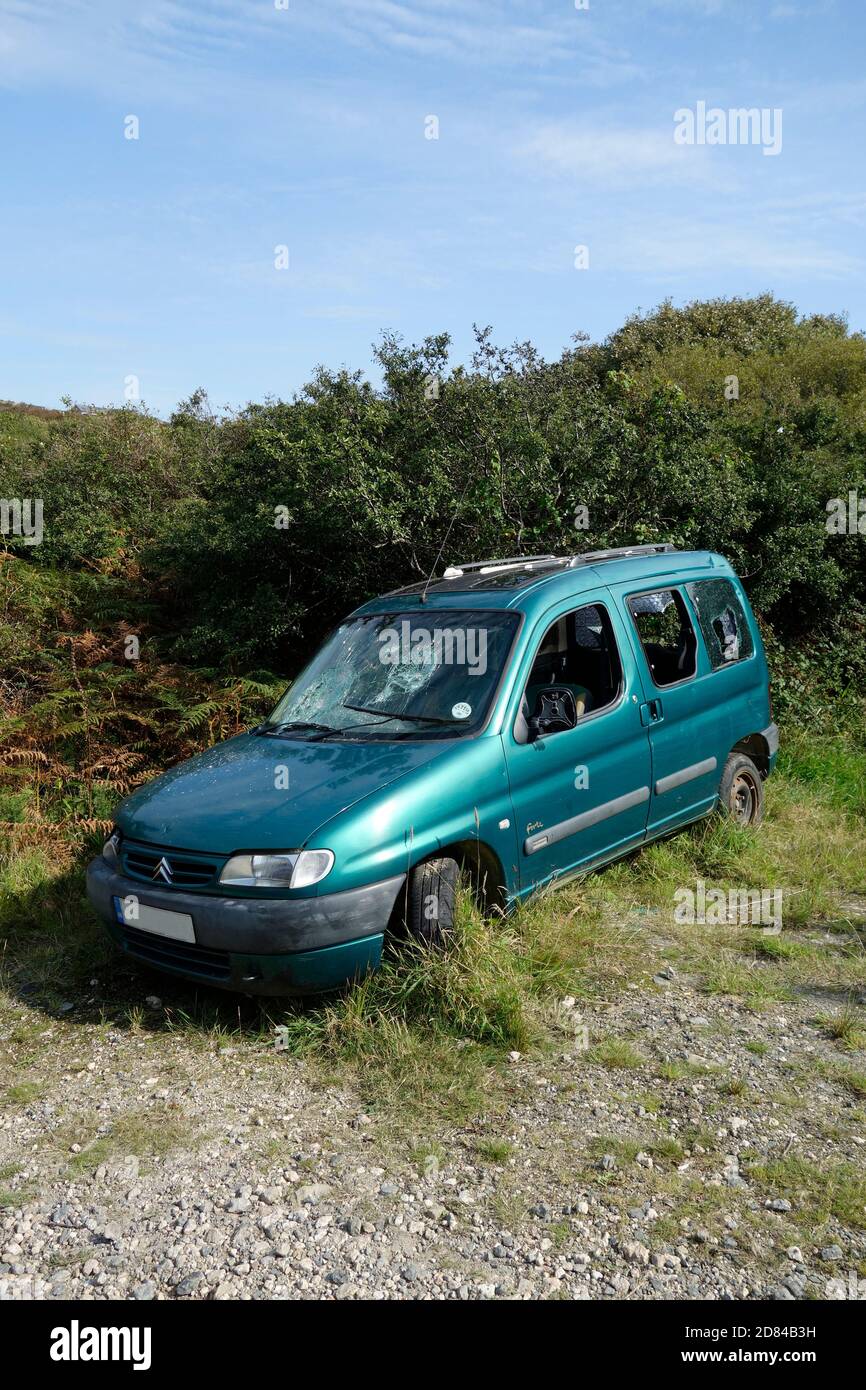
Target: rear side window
723,622
666,634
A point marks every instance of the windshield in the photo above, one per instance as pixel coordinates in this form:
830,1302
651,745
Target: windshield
399,675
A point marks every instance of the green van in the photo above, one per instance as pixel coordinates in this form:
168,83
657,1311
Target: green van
525,719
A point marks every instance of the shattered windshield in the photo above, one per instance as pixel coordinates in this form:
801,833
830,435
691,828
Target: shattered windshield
389,675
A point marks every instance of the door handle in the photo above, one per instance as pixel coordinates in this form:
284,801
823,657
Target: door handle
651,712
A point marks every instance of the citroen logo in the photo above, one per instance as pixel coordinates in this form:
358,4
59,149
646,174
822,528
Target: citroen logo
163,870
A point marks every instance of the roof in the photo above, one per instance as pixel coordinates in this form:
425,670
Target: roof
517,583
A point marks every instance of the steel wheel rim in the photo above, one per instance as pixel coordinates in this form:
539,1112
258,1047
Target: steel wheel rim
744,798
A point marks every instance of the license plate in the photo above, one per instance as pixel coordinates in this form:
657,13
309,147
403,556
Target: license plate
132,913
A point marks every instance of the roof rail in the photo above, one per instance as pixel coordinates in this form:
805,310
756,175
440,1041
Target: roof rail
512,562
530,562
622,552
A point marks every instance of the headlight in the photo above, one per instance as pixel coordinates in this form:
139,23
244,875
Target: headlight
312,866
111,846
298,870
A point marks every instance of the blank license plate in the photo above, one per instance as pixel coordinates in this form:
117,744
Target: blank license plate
177,925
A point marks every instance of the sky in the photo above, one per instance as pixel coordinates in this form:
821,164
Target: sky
285,202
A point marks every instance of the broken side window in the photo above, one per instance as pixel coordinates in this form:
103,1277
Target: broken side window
722,621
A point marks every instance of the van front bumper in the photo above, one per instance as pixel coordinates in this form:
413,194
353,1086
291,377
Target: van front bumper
257,945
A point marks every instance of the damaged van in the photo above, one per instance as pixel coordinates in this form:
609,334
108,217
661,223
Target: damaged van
528,719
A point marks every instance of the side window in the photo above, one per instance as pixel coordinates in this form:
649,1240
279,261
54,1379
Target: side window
666,634
723,622
578,655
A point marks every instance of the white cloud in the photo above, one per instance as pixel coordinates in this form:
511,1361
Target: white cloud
681,247
614,157
99,38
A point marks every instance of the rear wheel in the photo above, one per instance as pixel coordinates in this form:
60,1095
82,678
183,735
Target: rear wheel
430,906
741,791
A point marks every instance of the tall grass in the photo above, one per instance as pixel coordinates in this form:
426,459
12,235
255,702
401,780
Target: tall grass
429,1036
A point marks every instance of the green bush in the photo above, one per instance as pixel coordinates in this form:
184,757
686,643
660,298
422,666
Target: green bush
245,538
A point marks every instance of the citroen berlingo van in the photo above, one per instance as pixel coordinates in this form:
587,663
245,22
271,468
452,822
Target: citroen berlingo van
527,719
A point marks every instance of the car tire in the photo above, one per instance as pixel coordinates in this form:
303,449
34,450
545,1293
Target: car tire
430,907
741,791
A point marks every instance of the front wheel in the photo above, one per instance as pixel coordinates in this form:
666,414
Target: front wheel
430,907
741,791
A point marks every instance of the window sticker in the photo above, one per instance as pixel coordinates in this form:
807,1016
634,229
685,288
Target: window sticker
461,710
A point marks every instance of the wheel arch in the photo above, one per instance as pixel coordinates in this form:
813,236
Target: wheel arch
756,747
478,860
484,868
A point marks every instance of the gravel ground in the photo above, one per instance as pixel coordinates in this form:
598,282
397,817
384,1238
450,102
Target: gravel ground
159,1165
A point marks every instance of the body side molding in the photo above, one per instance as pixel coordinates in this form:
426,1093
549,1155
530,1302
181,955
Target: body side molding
576,823
685,774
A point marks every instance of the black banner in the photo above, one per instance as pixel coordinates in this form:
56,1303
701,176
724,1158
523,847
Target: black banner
64,1339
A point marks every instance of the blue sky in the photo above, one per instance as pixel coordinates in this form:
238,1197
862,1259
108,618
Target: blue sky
304,126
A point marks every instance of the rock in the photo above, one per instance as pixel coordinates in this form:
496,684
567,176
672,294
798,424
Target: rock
312,1192
635,1253
731,1174
778,1204
189,1285
144,1291
831,1253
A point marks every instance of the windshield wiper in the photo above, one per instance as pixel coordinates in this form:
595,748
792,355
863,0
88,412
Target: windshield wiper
412,718
355,728
293,726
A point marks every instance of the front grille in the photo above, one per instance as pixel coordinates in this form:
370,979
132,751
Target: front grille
177,955
186,871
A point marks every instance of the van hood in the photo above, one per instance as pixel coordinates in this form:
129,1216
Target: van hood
260,792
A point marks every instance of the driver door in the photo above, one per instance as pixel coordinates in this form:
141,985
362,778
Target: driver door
582,793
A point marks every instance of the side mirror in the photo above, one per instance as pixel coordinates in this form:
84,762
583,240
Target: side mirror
555,711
